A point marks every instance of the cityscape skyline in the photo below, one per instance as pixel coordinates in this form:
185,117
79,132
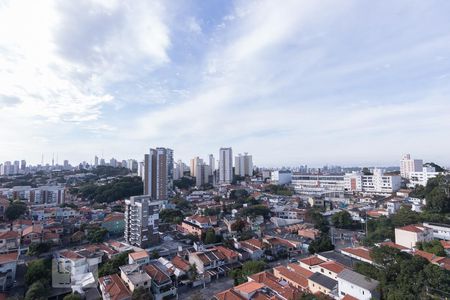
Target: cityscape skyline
296,85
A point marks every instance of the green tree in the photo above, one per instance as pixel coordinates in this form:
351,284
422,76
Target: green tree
112,265
97,235
141,294
36,291
323,243
73,296
238,225
342,219
248,268
39,248
256,210
184,183
210,236
434,247
38,270
15,210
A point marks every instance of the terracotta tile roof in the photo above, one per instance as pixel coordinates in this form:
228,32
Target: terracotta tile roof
210,255
289,275
180,263
253,244
229,253
348,297
204,219
312,261
138,255
115,287
50,236
229,295
269,280
9,235
70,254
32,229
249,287
393,245
333,266
445,244
359,251
412,228
113,218
156,274
9,257
300,270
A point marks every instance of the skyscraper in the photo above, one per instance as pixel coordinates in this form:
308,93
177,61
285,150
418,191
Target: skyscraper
158,173
96,161
194,163
225,165
141,221
243,165
212,163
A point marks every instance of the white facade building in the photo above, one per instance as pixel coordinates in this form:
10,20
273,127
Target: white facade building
158,173
421,178
409,165
356,285
281,177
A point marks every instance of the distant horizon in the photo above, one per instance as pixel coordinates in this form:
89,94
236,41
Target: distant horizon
324,82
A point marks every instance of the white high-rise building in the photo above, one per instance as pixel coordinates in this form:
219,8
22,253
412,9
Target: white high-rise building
96,161
158,173
225,165
409,165
243,165
421,178
180,167
141,221
212,163
194,163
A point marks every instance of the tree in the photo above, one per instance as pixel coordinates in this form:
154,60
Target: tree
433,246
184,183
39,248
73,296
38,270
97,235
36,291
170,215
238,225
210,236
15,210
112,266
256,210
141,294
248,268
342,219
323,243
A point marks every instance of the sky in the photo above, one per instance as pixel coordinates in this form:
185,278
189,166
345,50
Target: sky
290,82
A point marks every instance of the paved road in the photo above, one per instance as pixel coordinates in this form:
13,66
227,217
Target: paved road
207,293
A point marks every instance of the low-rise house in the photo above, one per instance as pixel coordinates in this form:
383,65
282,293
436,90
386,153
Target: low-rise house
8,265
162,285
135,277
197,224
358,253
277,285
75,269
113,288
331,269
254,247
323,284
409,235
356,285
311,263
114,223
299,280
207,260
181,266
9,241
32,234
140,258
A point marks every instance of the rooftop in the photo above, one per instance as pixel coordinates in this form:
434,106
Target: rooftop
358,279
323,280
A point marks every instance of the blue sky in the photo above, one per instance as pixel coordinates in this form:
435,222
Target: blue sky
291,82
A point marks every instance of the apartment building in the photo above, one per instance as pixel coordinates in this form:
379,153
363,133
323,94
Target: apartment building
141,221
243,165
158,173
225,165
408,236
409,165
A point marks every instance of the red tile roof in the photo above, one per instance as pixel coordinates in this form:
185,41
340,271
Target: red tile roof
393,245
333,266
289,275
229,295
115,287
412,228
9,235
180,263
361,252
9,257
312,261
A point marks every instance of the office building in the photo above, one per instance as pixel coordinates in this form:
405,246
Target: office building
409,165
243,165
225,165
158,173
141,221
280,177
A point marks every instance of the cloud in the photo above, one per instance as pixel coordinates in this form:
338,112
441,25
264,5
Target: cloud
8,100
